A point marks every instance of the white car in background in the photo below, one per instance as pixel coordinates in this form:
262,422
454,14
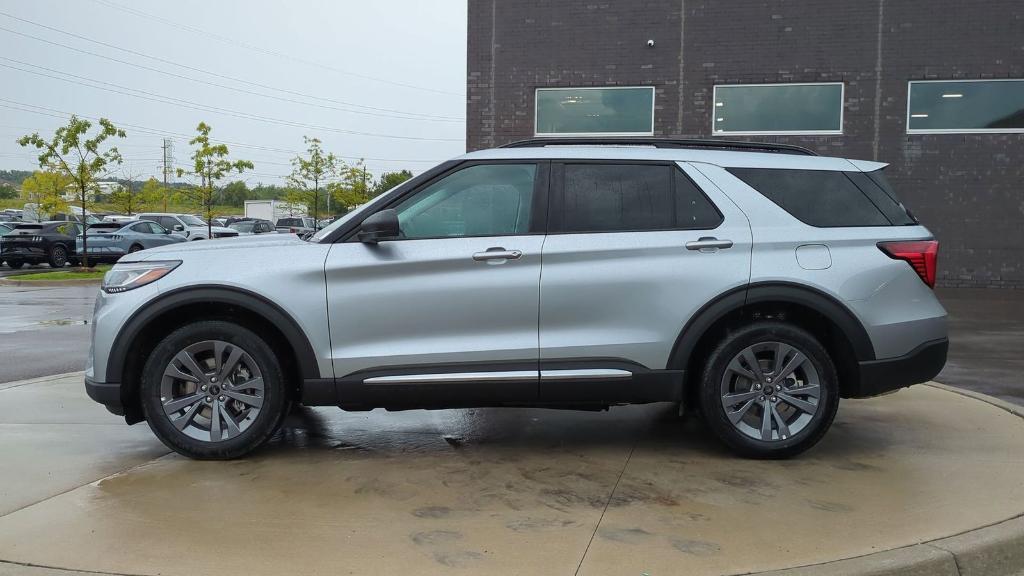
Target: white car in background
188,225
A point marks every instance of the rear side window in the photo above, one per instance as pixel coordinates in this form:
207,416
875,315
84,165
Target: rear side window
631,197
819,198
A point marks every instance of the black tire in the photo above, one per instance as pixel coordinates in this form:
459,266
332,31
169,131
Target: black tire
58,257
15,264
134,248
265,423
714,378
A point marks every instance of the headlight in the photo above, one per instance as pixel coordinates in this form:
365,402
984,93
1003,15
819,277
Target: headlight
132,275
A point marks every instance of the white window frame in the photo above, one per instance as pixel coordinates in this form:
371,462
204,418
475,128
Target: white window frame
959,130
537,91
842,111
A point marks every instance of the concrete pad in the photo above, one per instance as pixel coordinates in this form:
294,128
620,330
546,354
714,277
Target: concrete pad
920,560
893,471
521,491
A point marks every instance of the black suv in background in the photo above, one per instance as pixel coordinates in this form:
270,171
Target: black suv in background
51,242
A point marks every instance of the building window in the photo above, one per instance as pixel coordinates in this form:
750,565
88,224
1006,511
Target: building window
958,106
778,109
606,111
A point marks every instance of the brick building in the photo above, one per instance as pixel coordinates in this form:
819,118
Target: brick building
855,79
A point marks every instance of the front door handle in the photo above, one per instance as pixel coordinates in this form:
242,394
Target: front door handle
497,253
708,243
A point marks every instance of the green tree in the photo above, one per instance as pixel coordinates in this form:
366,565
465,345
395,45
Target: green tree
310,174
210,164
126,199
389,180
235,194
78,157
153,193
354,187
8,192
45,189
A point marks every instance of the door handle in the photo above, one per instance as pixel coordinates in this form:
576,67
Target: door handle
708,242
497,254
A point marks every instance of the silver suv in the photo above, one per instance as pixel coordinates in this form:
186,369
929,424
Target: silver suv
757,282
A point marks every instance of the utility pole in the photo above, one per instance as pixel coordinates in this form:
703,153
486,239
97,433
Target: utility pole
168,157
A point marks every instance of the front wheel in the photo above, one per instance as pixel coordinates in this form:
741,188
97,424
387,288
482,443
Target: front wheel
769,390
213,390
15,264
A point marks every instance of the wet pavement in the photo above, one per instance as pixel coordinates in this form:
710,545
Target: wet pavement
493,491
44,330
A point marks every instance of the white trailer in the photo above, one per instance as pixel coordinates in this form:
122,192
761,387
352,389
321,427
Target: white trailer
273,210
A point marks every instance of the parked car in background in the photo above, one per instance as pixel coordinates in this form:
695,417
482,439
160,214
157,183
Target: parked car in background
108,241
188,225
118,218
35,243
296,225
13,213
273,210
250,227
9,218
5,228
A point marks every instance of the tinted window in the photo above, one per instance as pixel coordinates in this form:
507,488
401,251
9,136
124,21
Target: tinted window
297,222
782,108
484,200
967,106
877,189
156,228
817,197
595,111
141,227
631,197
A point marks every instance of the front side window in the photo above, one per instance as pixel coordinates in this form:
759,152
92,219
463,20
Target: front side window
966,106
623,111
631,197
482,200
778,109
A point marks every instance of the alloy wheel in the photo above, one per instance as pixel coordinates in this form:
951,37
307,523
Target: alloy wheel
212,391
770,391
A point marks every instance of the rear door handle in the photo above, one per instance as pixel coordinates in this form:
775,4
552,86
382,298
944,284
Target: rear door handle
708,242
497,253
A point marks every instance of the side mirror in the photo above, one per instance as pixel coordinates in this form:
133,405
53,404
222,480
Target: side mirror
381,226
179,228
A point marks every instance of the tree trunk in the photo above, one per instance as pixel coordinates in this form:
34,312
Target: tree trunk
85,235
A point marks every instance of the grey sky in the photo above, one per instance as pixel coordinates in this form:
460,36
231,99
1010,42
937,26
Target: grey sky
384,58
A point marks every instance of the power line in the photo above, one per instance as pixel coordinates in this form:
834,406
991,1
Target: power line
263,50
63,115
153,97
405,115
193,68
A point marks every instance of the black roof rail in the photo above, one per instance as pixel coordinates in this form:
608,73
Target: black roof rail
697,143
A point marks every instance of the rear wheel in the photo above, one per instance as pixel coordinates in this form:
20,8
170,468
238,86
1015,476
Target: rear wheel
213,390
58,257
15,264
769,390
134,248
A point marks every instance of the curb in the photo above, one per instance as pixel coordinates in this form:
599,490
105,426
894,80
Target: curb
24,283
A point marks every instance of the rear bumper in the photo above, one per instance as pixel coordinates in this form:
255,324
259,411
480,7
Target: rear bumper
106,393
919,365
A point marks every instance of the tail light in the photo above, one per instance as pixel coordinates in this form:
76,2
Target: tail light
922,255
293,230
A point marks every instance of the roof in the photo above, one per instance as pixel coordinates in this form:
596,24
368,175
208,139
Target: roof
723,158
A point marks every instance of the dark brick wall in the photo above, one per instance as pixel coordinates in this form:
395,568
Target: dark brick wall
968,189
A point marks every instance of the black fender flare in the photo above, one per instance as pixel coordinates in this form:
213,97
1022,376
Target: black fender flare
232,296
737,299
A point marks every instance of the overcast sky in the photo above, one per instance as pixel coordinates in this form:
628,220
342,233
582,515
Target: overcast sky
392,71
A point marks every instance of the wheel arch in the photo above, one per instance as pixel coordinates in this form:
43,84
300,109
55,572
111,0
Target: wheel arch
838,329
176,308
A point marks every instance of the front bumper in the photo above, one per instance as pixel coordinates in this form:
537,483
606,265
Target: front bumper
919,365
106,393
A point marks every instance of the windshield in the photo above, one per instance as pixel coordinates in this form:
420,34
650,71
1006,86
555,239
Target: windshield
242,226
191,220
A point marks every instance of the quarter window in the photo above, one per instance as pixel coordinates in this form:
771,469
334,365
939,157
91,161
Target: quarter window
966,106
482,200
823,198
778,109
623,111
631,197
